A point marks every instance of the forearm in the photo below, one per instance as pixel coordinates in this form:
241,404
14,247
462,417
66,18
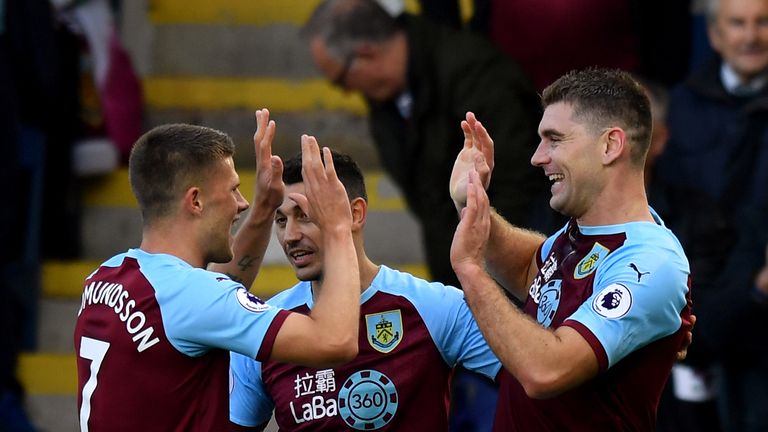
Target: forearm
337,306
510,255
545,362
334,316
249,247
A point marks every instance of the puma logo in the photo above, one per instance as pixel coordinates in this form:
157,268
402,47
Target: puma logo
639,273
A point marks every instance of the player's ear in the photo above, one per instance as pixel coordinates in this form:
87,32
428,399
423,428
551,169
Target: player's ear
193,202
615,140
359,213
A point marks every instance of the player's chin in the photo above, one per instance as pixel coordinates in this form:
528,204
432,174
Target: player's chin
223,253
307,273
556,204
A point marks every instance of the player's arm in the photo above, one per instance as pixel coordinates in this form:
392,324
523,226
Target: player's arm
328,335
545,362
253,235
250,406
510,255
511,251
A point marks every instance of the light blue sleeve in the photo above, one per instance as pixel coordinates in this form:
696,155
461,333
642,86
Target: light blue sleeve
249,404
208,310
452,327
639,292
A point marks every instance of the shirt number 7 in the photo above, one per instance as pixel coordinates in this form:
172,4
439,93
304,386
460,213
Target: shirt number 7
94,350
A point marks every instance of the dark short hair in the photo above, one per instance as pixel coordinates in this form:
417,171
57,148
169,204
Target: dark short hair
346,169
343,25
168,159
603,98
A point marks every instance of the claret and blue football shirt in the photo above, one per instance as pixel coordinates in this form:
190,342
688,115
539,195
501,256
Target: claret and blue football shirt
625,289
152,338
412,334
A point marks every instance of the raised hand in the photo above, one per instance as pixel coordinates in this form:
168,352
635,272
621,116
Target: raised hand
471,237
254,233
326,201
269,188
477,155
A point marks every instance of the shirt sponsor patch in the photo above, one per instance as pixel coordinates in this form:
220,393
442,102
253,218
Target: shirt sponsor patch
368,400
250,301
614,301
548,302
318,386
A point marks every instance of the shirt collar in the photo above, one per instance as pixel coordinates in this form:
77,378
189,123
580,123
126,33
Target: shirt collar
733,84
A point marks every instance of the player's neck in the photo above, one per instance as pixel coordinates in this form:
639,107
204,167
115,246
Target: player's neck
625,202
160,240
368,271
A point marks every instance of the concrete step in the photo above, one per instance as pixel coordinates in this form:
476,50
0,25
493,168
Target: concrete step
274,50
253,12
53,413
340,130
279,94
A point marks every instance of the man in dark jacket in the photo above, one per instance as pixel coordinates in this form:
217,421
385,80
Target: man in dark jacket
718,121
419,80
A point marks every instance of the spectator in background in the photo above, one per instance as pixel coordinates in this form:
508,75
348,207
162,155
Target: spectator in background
718,122
688,402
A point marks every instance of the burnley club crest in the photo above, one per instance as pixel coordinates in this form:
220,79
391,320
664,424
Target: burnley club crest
385,330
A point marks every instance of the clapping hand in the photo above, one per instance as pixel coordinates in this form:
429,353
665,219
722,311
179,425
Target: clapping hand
269,189
477,155
326,201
